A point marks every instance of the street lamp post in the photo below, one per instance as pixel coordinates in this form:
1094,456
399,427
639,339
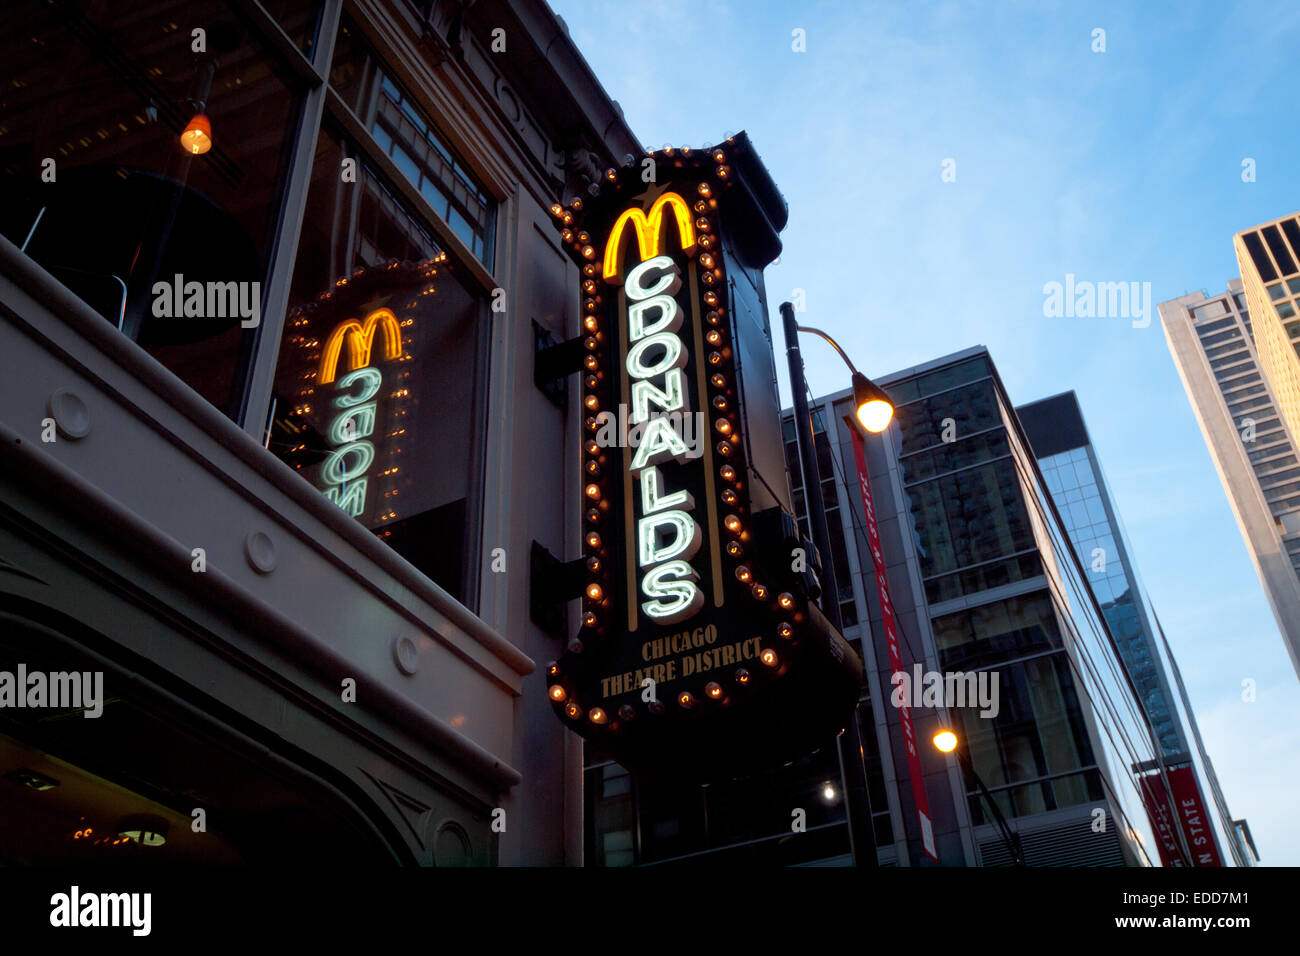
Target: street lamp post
873,407
947,741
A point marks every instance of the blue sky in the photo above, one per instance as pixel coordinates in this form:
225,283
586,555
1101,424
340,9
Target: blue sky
1124,165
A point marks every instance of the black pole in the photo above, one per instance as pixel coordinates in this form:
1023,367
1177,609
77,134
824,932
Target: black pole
853,760
1011,839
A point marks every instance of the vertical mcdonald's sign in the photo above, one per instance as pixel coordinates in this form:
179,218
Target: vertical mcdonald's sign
692,621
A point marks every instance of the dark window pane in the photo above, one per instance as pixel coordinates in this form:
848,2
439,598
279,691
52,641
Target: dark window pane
1259,257
1292,231
106,95
1280,253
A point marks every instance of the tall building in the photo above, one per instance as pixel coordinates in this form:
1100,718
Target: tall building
1236,378
284,506
1073,472
983,580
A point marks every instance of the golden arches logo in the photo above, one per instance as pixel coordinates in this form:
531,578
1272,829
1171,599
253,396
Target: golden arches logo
361,340
650,236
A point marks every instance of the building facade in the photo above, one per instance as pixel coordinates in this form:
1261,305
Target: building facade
1074,476
273,448
1233,392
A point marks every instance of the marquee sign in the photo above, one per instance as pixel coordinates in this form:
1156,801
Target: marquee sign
697,631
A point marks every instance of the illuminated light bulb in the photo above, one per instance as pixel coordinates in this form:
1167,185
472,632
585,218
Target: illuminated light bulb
711,299
592,423
197,137
713,689
702,224
593,515
734,549
591,343
566,235
584,238
592,305
593,492
686,699
786,600
593,539
592,402
759,592
946,741
769,657
705,190
713,337
612,175
557,210
592,362
718,380
714,317
743,573
723,426
732,523
593,468
719,156
588,252
715,358
589,619
627,712
708,278
595,591
593,564
567,218
742,676
875,415
724,449
720,403
590,269
573,711
705,242
588,286
727,472
706,260
558,693
785,630
701,208
592,381
597,716
729,497
723,172
590,323
553,669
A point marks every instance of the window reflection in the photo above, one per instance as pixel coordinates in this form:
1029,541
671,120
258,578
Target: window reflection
376,394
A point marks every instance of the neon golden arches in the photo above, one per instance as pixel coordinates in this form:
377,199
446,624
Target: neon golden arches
649,233
360,339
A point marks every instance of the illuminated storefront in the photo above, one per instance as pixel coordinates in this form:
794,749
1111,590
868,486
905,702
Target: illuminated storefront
294,539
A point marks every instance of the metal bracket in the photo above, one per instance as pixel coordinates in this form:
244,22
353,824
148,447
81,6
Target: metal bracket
552,583
553,362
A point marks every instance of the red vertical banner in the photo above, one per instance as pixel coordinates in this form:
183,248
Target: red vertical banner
891,639
1187,812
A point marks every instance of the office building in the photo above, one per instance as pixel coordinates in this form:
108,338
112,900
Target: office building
982,580
1236,378
1073,472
